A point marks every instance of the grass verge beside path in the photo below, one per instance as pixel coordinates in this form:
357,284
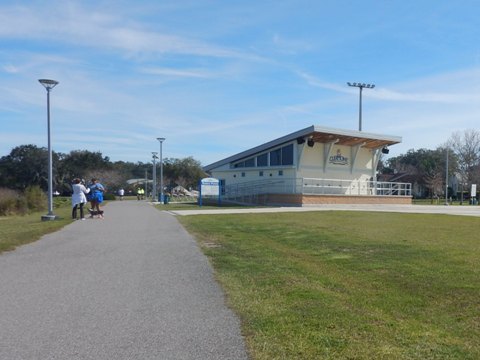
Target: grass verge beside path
349,285
20,230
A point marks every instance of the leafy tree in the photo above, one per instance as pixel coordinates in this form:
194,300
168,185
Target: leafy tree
26,165
185,172
425,168
79,162
466,146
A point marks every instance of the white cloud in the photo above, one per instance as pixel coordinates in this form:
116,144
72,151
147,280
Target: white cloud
11,69
192,73
75,24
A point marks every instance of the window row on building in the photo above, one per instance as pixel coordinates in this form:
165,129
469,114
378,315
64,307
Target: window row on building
277,157
260,173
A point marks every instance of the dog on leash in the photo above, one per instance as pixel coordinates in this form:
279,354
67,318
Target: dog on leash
94,213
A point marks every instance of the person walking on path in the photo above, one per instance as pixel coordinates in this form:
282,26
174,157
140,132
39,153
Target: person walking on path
121,193
78,198
140,193
96,197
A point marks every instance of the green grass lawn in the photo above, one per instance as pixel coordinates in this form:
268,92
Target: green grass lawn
20,230
349,285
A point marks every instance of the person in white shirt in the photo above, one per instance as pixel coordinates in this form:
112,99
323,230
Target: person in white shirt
121,193
78,198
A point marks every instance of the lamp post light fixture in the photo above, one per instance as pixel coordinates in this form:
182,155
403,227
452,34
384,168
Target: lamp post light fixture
360,86
49,85
161,140
154,176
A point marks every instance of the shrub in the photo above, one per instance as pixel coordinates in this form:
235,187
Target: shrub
109,196
21,205
8,201
14,203
35,198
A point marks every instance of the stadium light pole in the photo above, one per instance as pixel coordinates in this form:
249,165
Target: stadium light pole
161,140
154,176
360,86
49,85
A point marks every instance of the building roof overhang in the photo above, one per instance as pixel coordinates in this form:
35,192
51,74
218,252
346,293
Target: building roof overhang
317,134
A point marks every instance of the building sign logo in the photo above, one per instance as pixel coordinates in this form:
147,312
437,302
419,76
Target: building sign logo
338,159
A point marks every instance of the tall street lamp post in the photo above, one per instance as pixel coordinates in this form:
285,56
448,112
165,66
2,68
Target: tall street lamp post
446,178
145,188
49,85
161,140
154,176
361,86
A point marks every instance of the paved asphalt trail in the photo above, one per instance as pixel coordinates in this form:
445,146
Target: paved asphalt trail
132,286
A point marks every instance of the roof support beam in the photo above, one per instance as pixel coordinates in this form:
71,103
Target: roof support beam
300,149
376,154
327,149
353,154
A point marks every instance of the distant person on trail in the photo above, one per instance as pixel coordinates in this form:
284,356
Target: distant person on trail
140,193
96,198
121,193
78,198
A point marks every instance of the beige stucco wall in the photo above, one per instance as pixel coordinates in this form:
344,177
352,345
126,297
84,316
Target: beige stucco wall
312,163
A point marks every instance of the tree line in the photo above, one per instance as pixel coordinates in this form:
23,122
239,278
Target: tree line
27,165
427,169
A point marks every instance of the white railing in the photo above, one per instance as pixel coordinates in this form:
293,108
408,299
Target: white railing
312,186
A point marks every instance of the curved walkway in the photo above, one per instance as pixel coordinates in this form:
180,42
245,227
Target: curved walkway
132,286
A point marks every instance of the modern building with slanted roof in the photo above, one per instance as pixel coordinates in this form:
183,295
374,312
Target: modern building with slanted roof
315,165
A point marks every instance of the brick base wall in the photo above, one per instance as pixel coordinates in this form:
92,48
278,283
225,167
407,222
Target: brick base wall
301,200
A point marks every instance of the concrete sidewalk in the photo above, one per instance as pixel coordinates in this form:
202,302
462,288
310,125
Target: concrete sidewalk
132,286
419,209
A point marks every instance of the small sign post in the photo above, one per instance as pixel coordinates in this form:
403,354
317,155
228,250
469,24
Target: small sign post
473,194
209,187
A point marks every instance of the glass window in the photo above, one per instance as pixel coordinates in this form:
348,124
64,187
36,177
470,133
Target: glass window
250,162
260,173
262,160
280,172
222,186
276,157
239,165
287,155
243,174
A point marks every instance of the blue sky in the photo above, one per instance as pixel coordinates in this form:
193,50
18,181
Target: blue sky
218,77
